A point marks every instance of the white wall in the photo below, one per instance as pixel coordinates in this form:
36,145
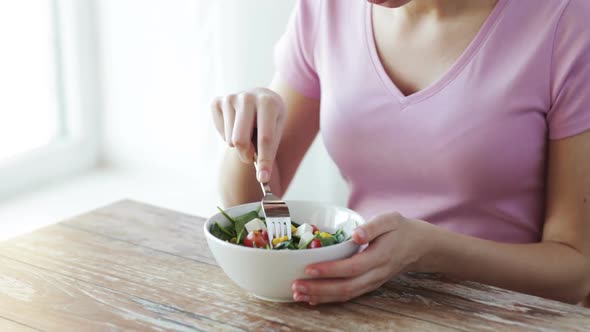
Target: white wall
162,63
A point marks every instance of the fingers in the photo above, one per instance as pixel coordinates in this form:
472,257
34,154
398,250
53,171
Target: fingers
268,115
315,291
218,116
376,227
243,127
345,279
229,115
235,117
349,267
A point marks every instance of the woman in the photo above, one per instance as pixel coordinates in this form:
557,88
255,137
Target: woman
461,126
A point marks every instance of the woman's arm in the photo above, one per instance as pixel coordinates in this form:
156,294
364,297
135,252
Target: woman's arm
559,266
294,124
556,268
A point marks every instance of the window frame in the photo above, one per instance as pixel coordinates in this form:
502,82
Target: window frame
79,103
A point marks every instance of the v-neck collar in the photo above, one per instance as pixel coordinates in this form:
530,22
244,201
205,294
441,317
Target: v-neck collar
447,77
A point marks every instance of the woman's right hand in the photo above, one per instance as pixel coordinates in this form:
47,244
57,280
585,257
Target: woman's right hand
235,117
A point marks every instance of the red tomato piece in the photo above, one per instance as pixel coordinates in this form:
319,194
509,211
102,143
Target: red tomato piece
256,239
315,243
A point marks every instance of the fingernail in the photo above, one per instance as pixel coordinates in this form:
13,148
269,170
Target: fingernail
263,176
312,272
361,234
301,289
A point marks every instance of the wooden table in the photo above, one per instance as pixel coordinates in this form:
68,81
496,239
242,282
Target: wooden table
131,266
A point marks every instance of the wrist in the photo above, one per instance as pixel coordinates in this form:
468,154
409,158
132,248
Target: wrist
433,249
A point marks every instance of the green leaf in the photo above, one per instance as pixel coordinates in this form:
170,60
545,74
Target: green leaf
226,215
285,245
217,231
228,231
239,235
327,241
246,217
240,222
340,236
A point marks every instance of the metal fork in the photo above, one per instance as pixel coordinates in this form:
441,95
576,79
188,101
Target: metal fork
276,211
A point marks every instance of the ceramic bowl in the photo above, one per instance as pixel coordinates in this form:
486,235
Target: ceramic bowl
269,274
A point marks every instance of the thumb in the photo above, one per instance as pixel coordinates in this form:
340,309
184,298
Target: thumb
376,227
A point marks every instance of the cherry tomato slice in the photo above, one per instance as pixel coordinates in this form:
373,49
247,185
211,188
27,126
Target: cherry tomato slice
315,243
256,239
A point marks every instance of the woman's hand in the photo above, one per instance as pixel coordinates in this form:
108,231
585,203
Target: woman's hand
396,245
237,115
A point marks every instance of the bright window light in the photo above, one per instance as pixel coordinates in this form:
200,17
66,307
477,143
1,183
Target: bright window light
29,112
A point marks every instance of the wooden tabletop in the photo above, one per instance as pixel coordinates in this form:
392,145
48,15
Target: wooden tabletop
132,266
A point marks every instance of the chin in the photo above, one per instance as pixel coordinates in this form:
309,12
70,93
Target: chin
389,3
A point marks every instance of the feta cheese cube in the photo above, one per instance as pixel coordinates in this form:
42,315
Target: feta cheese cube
254,225
305,228
305,239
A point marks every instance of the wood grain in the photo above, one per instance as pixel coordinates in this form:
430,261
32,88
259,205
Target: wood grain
149,226
49,301
181,283
137,266
10,326
440,299
473,303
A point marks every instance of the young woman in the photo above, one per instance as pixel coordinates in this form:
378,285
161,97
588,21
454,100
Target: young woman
461,126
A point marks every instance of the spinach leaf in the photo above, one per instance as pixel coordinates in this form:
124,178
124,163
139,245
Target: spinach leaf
240,222
340,236
218,232
228,231
295,224
285,245
226,215
239,236
327,241
246,217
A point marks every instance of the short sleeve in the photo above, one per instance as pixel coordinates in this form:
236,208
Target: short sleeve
294,53
570,71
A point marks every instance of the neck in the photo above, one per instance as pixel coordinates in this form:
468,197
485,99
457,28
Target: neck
445,8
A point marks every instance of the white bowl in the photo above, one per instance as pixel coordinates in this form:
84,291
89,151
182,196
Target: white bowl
269,274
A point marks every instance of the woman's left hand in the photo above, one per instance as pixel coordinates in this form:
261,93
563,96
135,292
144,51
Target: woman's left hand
395,245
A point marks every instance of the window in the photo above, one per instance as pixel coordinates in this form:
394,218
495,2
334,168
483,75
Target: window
48,91
29,116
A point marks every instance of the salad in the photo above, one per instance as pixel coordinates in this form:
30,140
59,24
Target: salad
249,230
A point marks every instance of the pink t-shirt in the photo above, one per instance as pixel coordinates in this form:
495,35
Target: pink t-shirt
467,153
